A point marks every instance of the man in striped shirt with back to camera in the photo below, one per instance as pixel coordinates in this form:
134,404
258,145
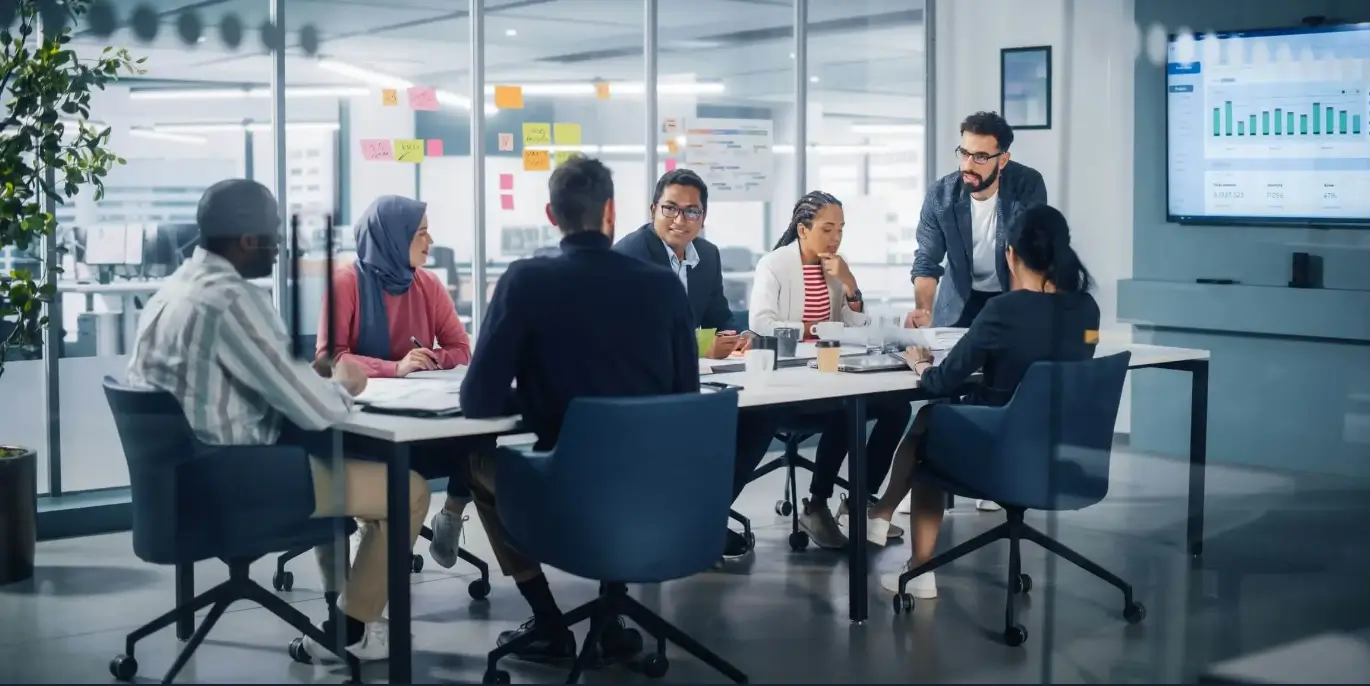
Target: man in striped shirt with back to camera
213,340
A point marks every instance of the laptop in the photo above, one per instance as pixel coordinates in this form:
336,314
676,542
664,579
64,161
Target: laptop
879,362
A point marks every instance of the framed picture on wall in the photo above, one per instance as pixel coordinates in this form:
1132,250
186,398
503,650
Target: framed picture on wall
1025,87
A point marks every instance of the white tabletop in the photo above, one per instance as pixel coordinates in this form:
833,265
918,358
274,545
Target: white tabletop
796,384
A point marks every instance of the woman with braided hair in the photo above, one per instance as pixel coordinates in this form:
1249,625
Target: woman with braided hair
805,280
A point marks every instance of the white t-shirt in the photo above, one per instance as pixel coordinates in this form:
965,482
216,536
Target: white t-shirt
984,220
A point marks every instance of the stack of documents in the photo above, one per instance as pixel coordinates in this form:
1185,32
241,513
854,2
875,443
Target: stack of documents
938,338
430,397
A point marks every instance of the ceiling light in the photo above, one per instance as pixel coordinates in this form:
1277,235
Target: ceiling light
232,127
245,93
165,136
915,129
511,33
813,79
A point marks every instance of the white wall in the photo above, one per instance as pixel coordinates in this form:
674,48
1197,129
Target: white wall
1085,157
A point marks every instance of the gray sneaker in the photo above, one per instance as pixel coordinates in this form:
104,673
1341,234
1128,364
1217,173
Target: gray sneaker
817,521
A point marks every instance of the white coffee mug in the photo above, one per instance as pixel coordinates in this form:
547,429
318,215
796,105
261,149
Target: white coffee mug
828,331
758,361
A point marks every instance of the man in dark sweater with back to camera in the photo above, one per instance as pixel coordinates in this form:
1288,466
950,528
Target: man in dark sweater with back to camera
587,322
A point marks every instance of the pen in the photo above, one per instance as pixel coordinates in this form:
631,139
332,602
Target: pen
416,342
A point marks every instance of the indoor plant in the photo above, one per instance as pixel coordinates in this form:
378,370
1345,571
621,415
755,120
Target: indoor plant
48,151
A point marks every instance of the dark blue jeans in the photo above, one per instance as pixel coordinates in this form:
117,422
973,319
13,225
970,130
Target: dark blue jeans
446,459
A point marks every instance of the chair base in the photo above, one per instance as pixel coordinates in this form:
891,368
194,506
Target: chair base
1016,530
614,602
284,580
788,505
239,586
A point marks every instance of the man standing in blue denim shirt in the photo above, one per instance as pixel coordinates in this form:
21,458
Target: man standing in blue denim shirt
964,219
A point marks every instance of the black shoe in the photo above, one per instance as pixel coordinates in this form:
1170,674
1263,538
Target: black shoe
619,643
560,646
736,545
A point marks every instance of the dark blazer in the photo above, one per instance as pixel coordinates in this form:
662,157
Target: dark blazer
708,304
1015,330
944,231
548,329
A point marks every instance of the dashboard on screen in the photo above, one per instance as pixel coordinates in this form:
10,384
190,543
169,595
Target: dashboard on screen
1269,126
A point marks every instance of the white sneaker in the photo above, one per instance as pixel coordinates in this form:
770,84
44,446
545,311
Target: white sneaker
905,505
446,528
922,587
373,646
987,506
843,510
878,530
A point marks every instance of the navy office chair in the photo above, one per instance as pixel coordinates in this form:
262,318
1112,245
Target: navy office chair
1049,448
791,460
189,507
616,503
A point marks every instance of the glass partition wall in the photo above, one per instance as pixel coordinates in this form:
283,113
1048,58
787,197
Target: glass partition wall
467,106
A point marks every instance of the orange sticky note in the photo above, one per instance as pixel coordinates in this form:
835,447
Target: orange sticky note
377,150
672,147
506,202
602,90
423,98
506,182
1091,337
509,97
536,160
506,142
435,147
390,97
409,150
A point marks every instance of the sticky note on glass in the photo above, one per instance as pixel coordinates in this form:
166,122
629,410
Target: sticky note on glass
566,134
423,98
506,142
565,155
509,97
506,202
672,147
506,182
409,150
434,147
535,133
377,150
536,160
602,90
670,164
390,97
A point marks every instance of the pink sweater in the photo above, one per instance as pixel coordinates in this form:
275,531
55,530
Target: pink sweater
425,312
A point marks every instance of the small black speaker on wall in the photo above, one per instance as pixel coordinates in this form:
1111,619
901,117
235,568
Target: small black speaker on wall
1305,271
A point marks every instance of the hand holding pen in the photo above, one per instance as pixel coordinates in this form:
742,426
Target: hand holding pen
420,359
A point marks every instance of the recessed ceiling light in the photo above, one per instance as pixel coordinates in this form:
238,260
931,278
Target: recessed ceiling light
791,55
813,79
510,32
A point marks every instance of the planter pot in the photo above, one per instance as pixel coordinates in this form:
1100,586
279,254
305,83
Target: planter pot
18,513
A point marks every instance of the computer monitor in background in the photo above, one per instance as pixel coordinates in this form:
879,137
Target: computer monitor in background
106,245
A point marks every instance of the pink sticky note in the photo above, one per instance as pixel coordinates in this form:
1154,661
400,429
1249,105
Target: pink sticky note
670,164
423,98
506,182
377,150
506,142
506,202
434,147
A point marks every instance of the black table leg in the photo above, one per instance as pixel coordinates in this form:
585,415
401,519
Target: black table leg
1198,453
185,592
400,559
856,517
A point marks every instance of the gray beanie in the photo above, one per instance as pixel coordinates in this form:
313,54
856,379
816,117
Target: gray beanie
238,207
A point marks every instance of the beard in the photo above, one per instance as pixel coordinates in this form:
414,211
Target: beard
981,183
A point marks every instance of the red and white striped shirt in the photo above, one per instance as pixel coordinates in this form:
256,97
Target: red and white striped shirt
817,301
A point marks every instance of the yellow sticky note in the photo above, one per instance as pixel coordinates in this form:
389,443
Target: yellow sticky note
563,156
672,147
390,97
536,160
566,134
509,97
602,90
536,133
409,150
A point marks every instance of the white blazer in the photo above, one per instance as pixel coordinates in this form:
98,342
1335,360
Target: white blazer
778,293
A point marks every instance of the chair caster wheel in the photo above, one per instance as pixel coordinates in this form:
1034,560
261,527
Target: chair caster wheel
655,666
417,565
283,581
1134,613
751,541
1015,635
903,602
298,653
799,540
479,589
123,667
1022,584
495,676
783,508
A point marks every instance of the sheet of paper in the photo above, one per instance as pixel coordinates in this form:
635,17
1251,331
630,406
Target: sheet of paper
453,375
377,150
423,98
536,160
564,133
387,390
509,97
409,150
506,142
537,133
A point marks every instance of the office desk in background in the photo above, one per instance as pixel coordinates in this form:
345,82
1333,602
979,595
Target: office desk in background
393,436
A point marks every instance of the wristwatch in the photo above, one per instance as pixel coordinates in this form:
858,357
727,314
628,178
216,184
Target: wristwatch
855,297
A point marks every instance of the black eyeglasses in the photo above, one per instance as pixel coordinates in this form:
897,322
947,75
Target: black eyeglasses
693,214
979,157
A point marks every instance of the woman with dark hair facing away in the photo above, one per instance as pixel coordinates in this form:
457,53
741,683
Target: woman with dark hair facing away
804,280
395,318
1048,314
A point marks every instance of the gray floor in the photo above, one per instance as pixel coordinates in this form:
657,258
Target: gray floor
1287,557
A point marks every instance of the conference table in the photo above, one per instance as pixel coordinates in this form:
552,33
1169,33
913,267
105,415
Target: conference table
391,437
